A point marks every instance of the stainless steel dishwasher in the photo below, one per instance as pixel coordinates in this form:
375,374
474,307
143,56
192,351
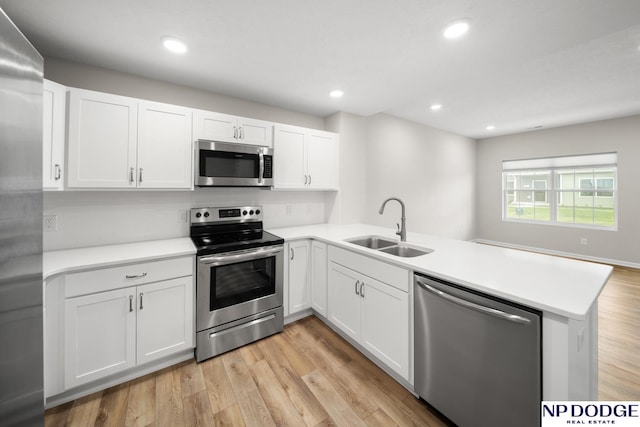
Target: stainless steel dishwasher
477,358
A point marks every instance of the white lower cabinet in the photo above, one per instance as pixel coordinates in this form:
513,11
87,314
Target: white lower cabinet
319,277
116,319
373,313
299,288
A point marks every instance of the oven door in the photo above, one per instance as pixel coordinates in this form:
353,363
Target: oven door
224,164
238,284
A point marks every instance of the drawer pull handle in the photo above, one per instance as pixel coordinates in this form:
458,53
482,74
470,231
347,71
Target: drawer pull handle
130,303
135,276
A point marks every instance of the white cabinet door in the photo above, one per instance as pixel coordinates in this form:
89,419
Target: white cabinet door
164,146
102,140
344,299
165,318
385,324
54,103
299,274
319,277
322,160
214,126
100,335
255,132
289,152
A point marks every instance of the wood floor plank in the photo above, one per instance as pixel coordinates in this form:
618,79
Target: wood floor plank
113,406
58,416
141,409
251,353
303,399
219,388
197,410
282,410
338,409
379,419
231,416
169,405
85,410
191,378
297,360
253,407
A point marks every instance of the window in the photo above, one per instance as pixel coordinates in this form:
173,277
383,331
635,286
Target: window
572,191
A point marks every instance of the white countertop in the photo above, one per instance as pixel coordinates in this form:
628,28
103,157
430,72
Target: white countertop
551,284
65,261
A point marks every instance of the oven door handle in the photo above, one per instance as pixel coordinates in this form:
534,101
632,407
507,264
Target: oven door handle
239,256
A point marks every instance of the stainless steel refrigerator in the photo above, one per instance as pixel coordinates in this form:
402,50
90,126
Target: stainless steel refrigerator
21,358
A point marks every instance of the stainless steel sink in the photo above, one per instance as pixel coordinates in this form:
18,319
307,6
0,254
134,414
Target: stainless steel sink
405,251
373,242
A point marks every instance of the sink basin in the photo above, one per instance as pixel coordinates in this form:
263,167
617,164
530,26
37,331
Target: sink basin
405,251
373,242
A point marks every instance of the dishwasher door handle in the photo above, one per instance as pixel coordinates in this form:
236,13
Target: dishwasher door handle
473,306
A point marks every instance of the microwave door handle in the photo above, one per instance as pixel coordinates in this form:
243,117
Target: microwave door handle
221,259
261,172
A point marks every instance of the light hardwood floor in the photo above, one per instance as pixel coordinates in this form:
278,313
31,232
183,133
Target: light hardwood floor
308,375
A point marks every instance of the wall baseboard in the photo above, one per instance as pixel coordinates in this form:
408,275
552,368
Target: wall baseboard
559,253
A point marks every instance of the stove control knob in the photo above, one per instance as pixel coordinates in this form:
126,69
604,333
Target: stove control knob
251,212
244,212
198,215
206,214
257,211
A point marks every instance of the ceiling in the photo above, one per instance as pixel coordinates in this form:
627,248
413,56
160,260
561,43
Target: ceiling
522,65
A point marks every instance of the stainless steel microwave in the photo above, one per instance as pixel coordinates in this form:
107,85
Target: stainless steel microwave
223,164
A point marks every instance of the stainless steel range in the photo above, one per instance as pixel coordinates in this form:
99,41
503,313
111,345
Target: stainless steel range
239,279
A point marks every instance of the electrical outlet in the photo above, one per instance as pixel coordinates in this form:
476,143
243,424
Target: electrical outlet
50,223
583,240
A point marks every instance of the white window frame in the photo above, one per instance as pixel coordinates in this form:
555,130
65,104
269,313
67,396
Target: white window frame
557,165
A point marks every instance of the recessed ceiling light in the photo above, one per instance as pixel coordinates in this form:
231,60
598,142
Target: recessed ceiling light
436,107
490,127
456,29
174,45
336,93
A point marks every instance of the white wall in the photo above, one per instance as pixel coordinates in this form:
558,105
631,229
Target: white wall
351,201
432,171
619,135
90,218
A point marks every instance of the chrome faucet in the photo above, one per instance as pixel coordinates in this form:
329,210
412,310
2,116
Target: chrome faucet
402,229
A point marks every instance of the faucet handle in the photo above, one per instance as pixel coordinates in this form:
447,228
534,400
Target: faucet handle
398,232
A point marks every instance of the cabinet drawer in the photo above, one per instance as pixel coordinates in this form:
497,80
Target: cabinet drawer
105,279
390,274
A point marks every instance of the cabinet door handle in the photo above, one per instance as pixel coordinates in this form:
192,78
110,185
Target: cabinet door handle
241,136
135,276
141,307
309,179
306,179
362,289
58,174
292,254
131,178
357,283
140,175
130,303
235,132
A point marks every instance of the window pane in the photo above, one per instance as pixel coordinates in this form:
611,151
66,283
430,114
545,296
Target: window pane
520,206
541,206
583,209
566,204
604,216
567,179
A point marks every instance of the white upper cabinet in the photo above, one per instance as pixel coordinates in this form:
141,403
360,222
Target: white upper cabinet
164,146
228,128
305,159
54,100
121,142
103,132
